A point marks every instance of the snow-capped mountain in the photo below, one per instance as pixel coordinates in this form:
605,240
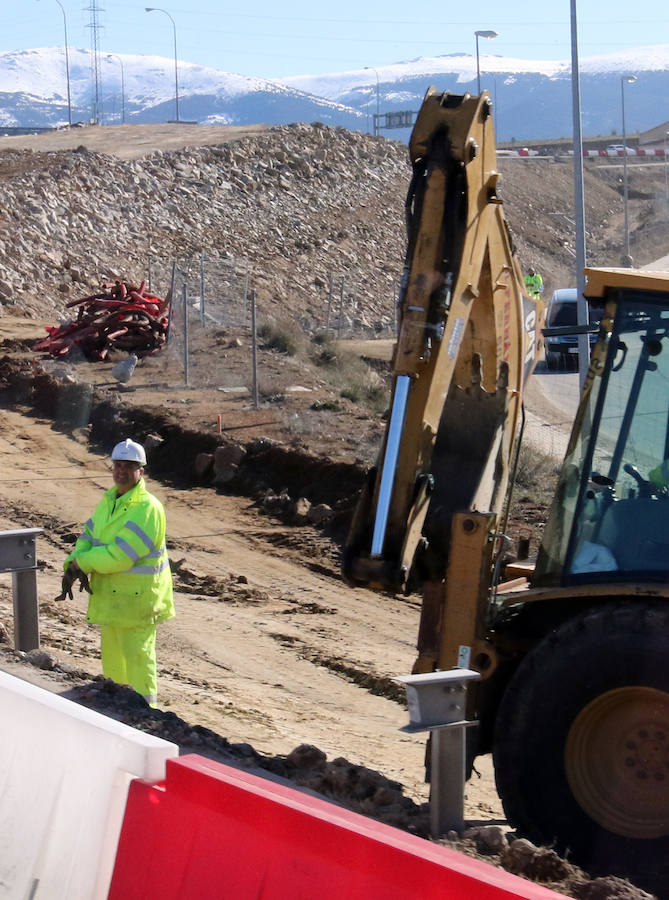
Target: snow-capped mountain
33,92
532,98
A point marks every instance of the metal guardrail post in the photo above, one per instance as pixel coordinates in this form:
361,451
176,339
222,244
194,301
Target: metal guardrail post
436,702
18,555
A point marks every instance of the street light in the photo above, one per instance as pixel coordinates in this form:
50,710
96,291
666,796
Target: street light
489,35
579,202
174,28
116,56
625,79
376,121
67,66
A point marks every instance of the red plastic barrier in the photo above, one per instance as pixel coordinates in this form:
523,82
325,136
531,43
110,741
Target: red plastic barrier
211,832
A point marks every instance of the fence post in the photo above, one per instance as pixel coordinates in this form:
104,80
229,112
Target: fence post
170,305
202,288
327,321
245,296
341,307
184,294
148,271
254,349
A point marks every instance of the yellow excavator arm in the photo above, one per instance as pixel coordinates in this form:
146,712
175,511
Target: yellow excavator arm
468,338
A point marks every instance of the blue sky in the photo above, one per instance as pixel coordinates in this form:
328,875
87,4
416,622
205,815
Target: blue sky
297,37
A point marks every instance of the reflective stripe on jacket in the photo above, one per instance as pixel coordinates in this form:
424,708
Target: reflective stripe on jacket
123,548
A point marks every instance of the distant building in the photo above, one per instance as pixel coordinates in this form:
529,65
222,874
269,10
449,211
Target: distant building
656,135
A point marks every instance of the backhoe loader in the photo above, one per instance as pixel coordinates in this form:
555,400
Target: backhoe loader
573,648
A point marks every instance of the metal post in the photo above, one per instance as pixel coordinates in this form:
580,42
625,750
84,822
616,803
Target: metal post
488,35
170,308
254,349
629,79
341,307
245,296
478,68
579,204
18,555
327,321
448,776
625,188
202,288
26,610
67,66
184,295
437,703
376,117
176,71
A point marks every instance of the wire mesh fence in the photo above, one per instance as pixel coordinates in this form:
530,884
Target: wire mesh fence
218,289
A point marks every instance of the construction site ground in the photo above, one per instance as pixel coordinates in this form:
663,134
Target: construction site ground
270,651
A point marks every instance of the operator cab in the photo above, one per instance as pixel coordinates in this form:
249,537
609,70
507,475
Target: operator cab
610,517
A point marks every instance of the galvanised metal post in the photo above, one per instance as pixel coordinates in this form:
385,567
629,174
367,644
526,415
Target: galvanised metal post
625,79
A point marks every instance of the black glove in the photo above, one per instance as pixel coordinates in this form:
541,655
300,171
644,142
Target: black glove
73,573
69,577
84,583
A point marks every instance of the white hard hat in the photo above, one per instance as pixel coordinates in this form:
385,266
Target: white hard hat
131,451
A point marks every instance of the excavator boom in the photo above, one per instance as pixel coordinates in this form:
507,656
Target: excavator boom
468,338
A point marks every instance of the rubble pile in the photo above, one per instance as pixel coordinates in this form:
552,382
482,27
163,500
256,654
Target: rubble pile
120,317
302,203
299,203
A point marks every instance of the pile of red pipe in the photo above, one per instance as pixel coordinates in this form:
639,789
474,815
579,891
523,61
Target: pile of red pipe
121,317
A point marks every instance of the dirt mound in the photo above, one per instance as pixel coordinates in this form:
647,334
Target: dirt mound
301,204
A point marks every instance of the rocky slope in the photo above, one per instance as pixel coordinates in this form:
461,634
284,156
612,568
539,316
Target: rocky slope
300,203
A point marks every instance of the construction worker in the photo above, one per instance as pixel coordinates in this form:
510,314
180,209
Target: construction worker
659,476
122,547
534,283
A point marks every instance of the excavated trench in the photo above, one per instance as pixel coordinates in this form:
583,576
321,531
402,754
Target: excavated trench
266,467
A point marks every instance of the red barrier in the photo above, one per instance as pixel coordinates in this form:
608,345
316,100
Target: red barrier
210,832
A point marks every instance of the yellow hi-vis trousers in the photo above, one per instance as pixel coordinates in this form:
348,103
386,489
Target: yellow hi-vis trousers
129,657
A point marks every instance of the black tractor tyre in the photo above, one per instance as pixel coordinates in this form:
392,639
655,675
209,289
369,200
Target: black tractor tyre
581,745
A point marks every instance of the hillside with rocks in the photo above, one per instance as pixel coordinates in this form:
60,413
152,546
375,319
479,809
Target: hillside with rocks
300,203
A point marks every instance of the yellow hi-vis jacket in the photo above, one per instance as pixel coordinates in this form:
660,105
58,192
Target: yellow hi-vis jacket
123,549
535,285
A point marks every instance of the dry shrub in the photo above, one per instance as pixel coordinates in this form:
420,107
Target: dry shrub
536,470
284,337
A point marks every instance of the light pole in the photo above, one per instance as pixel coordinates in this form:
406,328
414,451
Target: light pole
579,202
625,79
489,35
666,171
376,120
120,61
67,66
176,76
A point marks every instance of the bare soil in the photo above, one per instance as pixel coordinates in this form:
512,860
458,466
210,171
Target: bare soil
270,650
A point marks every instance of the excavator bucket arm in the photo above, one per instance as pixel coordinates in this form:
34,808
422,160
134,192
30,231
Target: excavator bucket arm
467,340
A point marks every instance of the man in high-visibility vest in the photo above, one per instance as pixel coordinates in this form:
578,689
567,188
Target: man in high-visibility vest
122,548
659,476
534,284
